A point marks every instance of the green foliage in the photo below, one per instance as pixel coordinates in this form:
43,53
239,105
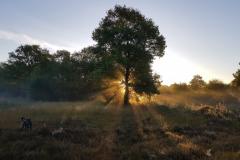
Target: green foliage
21,63
128,41
35,73
197,82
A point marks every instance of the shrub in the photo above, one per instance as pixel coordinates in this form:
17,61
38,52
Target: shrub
180,86
216,84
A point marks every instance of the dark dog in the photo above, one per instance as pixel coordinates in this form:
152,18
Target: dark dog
26,123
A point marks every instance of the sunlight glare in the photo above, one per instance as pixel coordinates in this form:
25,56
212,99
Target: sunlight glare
174,68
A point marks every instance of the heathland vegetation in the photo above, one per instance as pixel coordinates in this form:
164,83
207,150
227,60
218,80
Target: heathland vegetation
75,101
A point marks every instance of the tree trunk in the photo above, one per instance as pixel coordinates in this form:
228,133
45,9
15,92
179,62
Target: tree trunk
126,94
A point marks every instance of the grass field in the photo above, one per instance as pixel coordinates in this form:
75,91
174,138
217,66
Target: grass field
182,126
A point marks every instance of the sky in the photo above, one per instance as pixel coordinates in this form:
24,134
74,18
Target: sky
202,36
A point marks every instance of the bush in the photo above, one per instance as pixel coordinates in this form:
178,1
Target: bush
197,82
216,84
180,86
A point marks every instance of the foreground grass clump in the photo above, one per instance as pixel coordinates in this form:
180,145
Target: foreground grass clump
91,130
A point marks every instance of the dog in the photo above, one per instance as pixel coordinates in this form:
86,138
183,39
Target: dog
57,132
26,123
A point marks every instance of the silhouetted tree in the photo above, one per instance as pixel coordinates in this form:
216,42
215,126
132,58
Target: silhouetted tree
62,56
216,84
21,63
197,82
180,86
236,80
128,41
33,72
2,81
87,69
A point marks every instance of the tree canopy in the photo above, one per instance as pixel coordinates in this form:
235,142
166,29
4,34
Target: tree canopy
127,41
35,73
126,44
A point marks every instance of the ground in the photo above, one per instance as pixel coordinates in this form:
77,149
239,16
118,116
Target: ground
173,127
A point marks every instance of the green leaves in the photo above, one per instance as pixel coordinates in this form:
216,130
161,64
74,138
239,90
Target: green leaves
127,43
129,40
35,73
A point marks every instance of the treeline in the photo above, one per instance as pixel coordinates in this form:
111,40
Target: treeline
34,72
197,83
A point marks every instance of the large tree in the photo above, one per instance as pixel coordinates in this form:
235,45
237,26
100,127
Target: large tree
128,41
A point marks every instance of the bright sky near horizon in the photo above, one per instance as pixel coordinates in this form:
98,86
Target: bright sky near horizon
202,36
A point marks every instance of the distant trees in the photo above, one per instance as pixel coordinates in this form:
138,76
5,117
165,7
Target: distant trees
16,73
128,42
216,84
236,81
33,72
180,86
197,82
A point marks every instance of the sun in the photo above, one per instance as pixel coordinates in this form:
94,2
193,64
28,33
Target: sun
115,89
174,68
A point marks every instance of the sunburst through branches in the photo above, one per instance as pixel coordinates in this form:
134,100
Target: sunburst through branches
114,90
